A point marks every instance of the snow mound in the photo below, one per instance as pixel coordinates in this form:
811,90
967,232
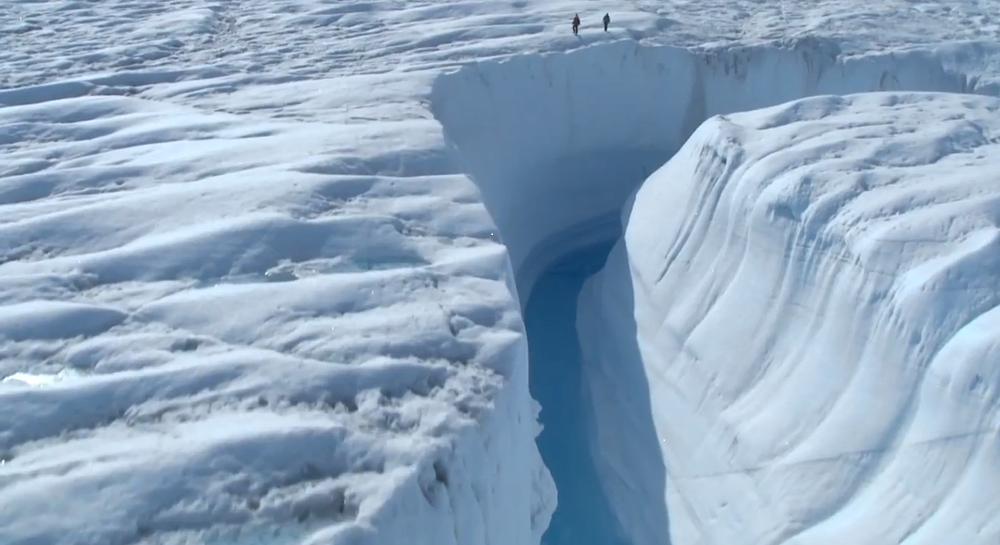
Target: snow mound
556,143
807,297
211,332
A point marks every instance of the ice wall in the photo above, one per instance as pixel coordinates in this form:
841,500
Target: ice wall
810,292
556,143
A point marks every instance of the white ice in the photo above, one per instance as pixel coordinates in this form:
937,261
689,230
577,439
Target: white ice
269,271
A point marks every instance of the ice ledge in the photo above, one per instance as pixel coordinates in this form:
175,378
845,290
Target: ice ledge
808,295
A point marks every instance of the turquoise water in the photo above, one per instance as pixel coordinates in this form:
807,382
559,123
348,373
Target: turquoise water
583,516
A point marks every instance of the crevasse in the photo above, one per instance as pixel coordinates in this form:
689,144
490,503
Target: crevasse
697,408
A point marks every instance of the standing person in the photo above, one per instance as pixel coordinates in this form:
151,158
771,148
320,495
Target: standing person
576,24
607,21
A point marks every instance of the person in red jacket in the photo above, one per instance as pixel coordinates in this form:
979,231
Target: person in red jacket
576,23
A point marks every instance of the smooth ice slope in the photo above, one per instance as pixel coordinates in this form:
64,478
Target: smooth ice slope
814,292
556,143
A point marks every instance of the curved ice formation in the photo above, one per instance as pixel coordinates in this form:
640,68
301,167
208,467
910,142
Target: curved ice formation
811,292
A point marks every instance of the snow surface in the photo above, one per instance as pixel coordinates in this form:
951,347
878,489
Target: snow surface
267,269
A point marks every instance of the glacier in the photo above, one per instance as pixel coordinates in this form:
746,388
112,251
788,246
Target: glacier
303,272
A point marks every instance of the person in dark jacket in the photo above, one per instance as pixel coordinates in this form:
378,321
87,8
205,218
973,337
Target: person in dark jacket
607,21
576,23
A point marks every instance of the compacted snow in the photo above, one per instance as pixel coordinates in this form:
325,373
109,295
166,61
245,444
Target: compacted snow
273,273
